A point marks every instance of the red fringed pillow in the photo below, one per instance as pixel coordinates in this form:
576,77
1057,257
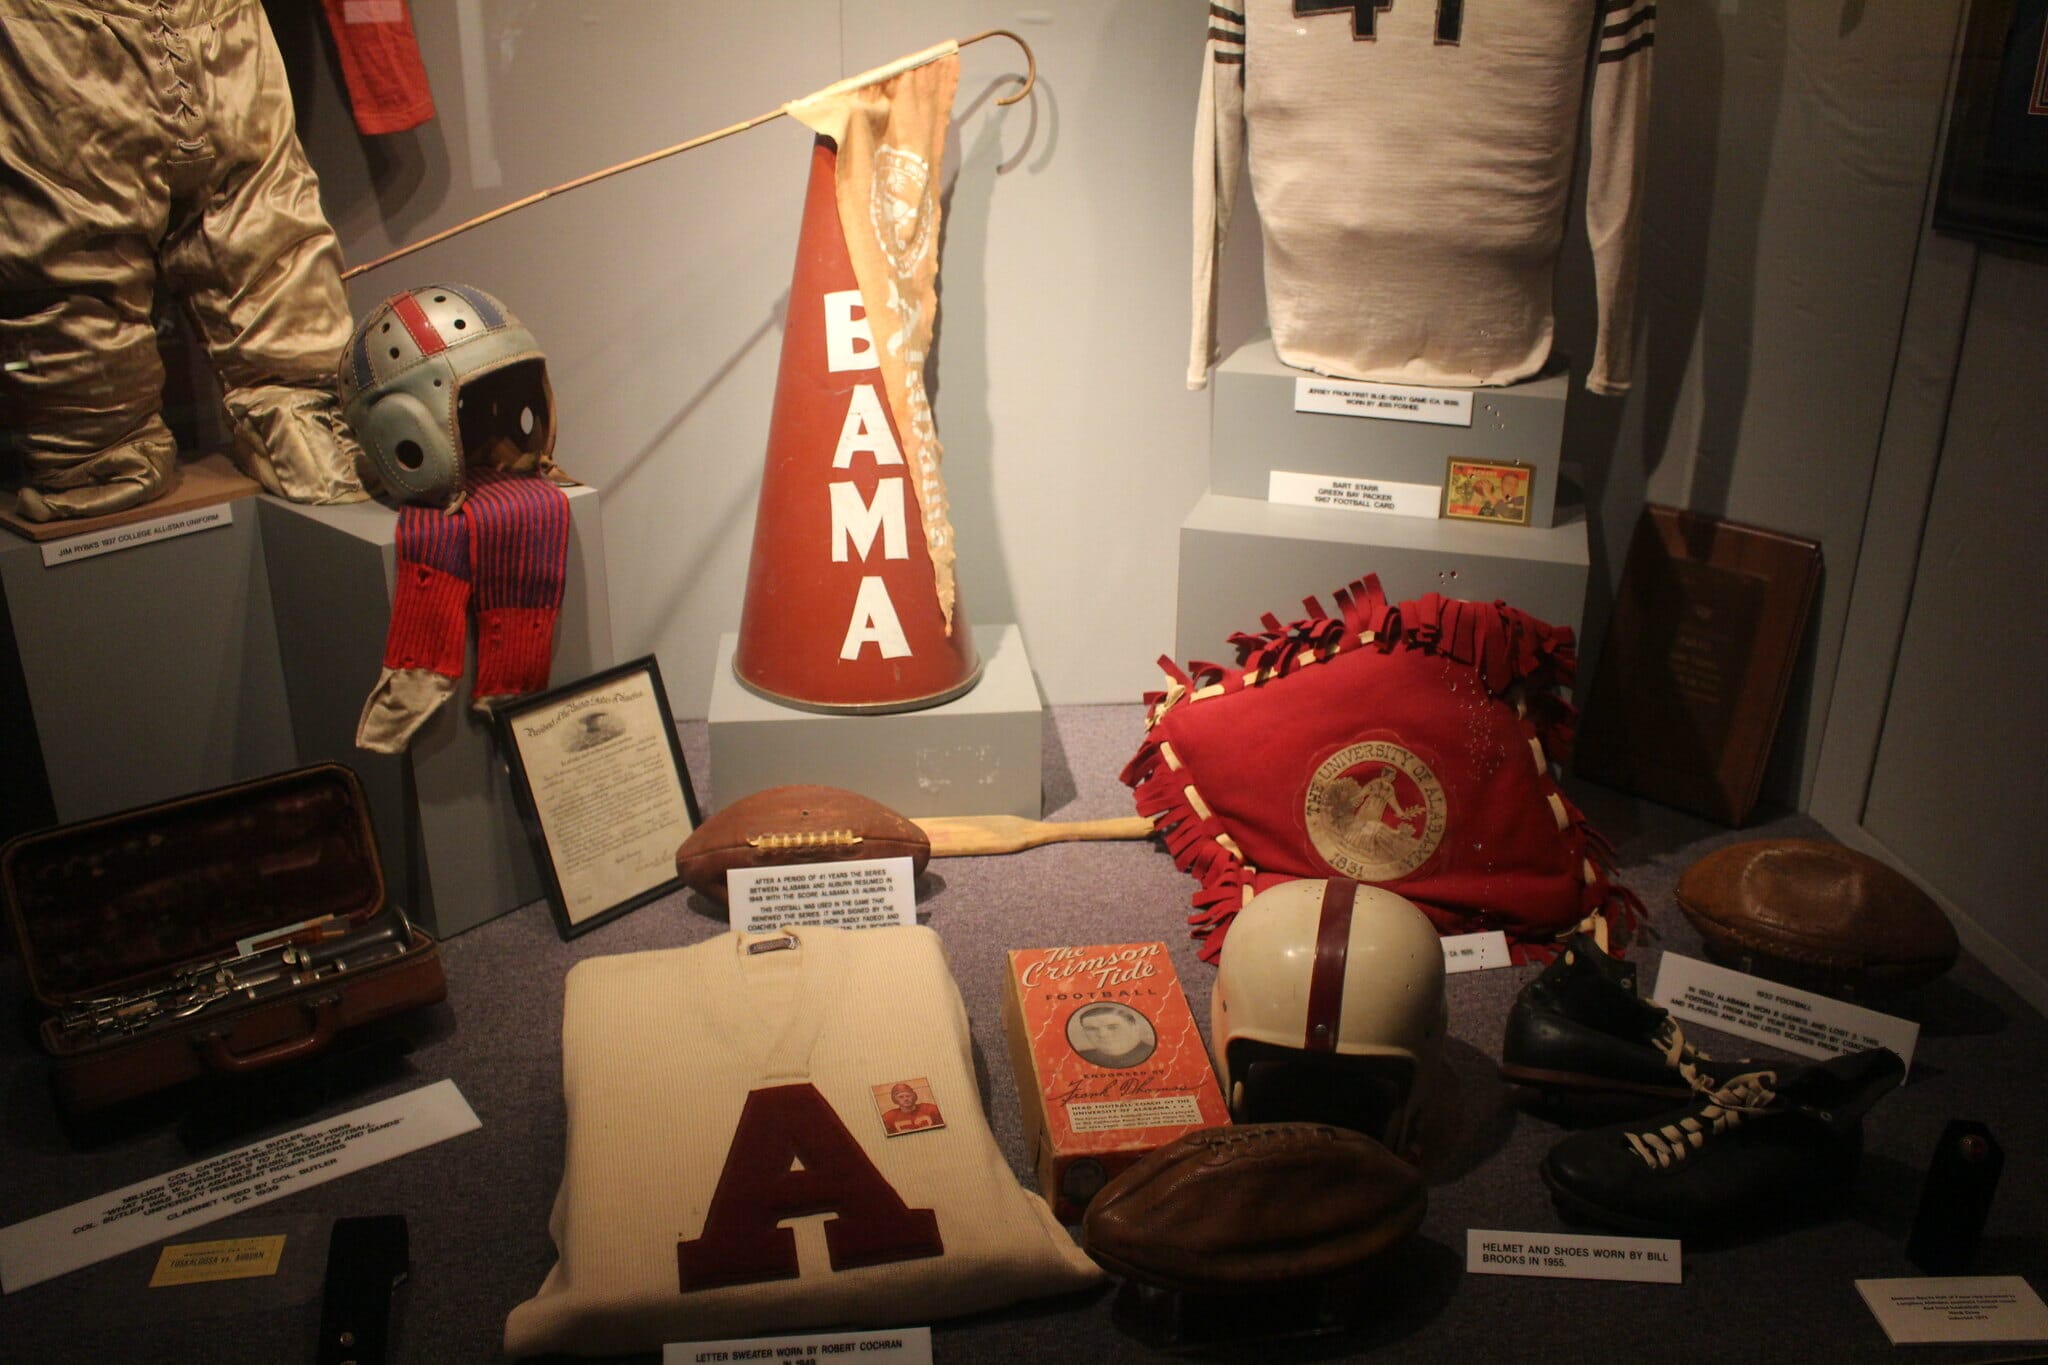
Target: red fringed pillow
1403,746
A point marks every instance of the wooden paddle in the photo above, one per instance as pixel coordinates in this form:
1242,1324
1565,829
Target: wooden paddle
968,836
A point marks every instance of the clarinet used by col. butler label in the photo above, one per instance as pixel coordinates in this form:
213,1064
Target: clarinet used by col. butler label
293,958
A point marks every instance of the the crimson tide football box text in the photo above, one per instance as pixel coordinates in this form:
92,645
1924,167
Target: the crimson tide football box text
1108,1062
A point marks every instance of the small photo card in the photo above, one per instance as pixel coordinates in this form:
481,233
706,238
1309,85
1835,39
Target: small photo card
1484,490
1956,1308
907,1106
867,893
1804,1022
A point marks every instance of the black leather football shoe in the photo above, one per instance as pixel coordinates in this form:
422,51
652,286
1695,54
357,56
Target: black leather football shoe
1763,1145
1581,1027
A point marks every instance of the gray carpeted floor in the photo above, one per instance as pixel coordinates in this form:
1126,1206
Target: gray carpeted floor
478,1204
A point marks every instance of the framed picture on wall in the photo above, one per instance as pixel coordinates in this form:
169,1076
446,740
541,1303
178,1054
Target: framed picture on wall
1994,176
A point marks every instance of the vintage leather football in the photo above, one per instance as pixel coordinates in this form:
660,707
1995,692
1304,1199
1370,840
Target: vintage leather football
1816,915
1254,1204
804,824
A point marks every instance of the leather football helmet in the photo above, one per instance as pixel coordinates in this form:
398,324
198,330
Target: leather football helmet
1329,1007
441,375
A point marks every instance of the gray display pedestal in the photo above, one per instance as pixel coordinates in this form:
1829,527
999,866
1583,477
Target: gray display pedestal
152,671
1255,431
454,851
979,754
1240,558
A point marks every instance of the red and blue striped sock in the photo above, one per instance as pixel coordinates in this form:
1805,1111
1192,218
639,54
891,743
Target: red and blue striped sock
518,557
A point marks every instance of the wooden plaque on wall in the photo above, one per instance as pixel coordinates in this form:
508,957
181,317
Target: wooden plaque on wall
1698,657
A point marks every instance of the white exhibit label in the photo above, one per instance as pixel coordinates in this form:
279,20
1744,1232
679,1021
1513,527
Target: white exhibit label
51,1244
57,552
1770,1012
896,1346
1572,1256
1394,402
1956,1308
845,895
1476,952
1355,495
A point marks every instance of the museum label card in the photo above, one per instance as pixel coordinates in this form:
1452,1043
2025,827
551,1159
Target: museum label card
897,1346
1476,952
52,1244
1393,402
870,894
127,537
1572,1256
1771,1012
1956,1308
238,1258
1353,495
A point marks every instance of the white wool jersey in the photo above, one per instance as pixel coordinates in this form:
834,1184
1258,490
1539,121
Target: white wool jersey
1412,160
730,1166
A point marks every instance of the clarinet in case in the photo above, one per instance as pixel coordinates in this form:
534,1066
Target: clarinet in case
224,932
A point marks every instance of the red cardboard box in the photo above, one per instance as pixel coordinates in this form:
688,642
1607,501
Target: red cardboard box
1108,1061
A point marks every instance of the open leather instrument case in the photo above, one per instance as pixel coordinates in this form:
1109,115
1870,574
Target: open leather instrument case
226,932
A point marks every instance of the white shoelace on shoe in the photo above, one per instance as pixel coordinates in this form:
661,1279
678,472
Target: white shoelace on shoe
1660,1148
1681,1055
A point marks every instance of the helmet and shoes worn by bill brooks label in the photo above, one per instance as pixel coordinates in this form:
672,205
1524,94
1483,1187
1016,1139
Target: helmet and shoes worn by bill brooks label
1329,1007
1764,1145
442,375
1581,1028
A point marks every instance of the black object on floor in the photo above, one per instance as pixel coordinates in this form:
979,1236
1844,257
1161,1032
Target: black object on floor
1955,1201
367,1258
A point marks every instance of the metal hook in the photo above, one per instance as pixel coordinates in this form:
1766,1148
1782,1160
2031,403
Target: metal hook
1030,59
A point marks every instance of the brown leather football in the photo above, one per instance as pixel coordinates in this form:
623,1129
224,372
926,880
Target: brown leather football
804,824
1816,915
1254,1204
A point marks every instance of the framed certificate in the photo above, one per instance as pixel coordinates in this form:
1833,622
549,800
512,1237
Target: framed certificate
602,788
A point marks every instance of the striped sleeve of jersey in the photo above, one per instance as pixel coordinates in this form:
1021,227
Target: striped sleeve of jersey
1219,161
1626,28
1614,181
1226,36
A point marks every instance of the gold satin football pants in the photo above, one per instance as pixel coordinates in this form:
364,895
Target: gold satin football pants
148,143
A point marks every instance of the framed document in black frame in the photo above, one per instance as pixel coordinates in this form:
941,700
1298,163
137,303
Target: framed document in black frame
603,790
1994,177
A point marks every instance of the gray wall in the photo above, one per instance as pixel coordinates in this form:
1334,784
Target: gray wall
1792,145
1791,148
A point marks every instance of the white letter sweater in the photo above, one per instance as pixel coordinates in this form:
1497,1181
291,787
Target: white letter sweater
1411,160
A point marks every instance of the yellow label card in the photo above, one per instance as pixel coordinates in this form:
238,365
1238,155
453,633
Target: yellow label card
238,1258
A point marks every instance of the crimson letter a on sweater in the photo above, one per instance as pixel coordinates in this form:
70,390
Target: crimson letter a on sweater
790,1157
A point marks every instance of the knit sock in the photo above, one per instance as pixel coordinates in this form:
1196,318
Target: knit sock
429,621
519,555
